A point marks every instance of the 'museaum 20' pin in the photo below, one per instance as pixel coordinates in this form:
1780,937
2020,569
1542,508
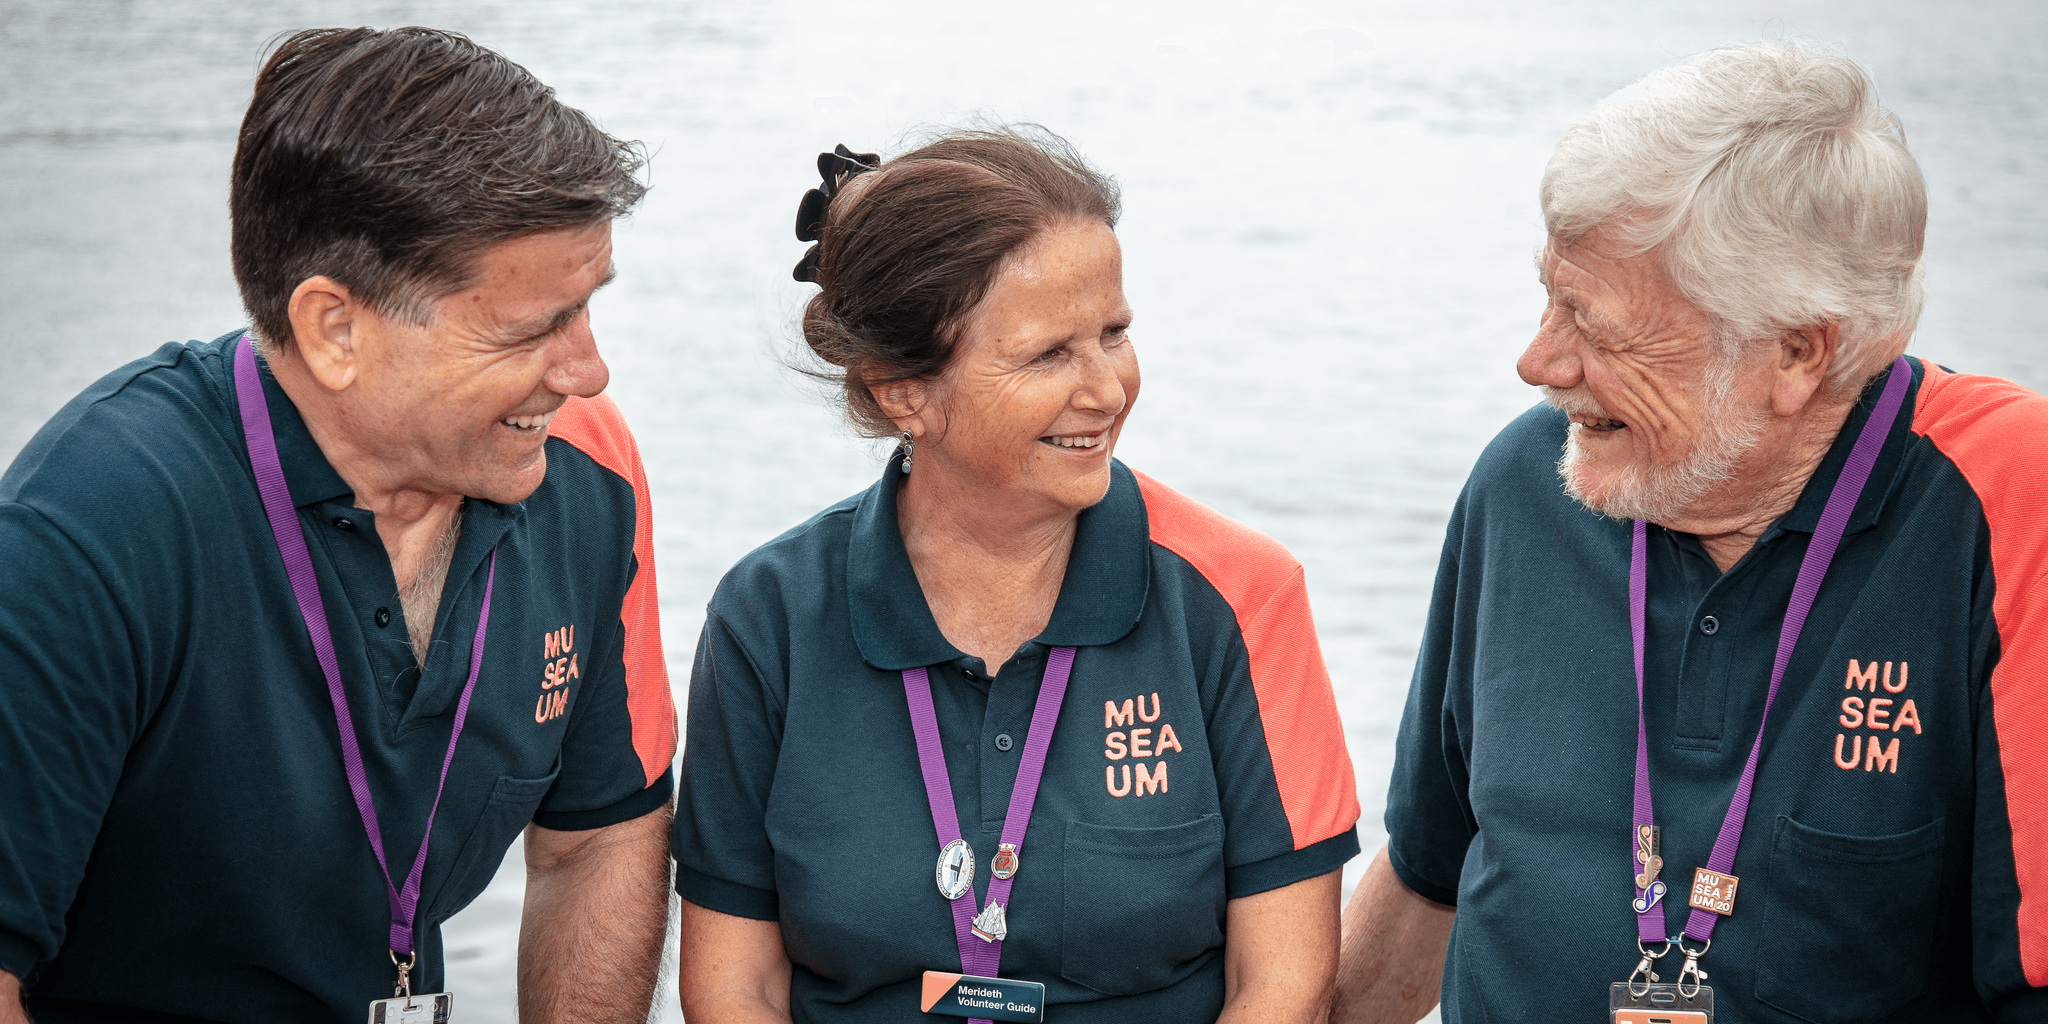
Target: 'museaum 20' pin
1713,891
956,870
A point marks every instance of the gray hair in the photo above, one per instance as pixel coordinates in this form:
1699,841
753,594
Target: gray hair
1776,191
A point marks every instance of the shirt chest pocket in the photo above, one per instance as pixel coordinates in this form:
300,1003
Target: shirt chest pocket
1848,928
1143,906
510,808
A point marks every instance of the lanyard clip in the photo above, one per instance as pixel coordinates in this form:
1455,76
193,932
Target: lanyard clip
404,986
1643,969
1692,969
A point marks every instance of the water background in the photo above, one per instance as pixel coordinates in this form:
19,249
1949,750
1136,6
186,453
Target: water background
1330,215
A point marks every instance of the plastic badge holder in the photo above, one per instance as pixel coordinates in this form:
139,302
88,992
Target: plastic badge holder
425,1008
1658,1004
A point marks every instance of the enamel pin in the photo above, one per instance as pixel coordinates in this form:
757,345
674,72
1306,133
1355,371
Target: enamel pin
991,925
1650,896
1713,891
1649,856
1005,863
956,869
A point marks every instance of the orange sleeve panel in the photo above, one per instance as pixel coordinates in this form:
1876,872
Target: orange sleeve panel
595,427
1263,585
1996,434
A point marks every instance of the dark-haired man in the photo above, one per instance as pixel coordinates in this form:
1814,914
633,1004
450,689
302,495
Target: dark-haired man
282,604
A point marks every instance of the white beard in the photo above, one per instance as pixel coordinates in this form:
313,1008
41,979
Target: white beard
1664,493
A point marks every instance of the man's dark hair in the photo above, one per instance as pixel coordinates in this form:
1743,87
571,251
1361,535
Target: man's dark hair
912,248
390,160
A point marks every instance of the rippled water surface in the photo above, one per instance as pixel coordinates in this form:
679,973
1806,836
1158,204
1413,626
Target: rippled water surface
1330,216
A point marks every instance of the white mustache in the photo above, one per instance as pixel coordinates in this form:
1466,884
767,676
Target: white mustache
1573,402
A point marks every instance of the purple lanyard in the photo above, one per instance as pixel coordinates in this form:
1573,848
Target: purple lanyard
978,957
1827,536
298,565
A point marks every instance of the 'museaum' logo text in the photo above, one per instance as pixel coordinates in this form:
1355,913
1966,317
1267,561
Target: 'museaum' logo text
561,669
1146,742
1889,715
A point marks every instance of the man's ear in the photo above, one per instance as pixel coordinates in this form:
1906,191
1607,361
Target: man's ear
325,317
1804,358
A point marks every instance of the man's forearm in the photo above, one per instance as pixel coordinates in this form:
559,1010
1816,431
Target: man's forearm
1390,966
590,938
10,1000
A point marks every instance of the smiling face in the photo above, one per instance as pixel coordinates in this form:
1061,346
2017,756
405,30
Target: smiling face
1028,409
1658,423
461,405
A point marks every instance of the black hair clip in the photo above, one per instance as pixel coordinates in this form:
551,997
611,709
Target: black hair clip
834,168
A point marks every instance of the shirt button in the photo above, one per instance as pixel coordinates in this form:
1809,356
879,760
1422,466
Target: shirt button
383,617
1003,742
1710,625
344,524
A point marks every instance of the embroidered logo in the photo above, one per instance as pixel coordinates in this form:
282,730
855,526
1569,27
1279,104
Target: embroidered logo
560,669
1144,742
1891,715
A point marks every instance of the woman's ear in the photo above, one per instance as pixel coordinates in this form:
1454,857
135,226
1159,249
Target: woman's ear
904,402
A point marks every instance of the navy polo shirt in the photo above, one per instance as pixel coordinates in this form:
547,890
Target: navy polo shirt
1198,757
1895,861
177,839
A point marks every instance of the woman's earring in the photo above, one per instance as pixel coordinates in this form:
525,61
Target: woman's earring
906,446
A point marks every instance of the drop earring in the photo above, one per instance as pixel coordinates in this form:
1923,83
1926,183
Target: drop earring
905,447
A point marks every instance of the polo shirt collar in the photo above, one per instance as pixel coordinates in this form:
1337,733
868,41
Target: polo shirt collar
313,481
1884,474
307,473
1101,597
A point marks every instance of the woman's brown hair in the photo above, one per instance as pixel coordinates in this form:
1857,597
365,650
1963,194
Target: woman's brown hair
909,250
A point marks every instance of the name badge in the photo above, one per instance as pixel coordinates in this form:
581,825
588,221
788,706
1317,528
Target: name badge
424,1008
964,995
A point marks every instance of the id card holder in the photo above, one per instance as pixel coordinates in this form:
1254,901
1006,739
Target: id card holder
965,995
1658,1004
424,1008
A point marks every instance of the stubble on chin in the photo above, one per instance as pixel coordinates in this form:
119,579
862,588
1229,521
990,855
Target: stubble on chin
509,480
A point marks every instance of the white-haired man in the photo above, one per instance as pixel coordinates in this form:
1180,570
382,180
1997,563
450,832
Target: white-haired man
1756,694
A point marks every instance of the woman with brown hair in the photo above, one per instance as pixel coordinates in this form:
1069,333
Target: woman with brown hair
1089,711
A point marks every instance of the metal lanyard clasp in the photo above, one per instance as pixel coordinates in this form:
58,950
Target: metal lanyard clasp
1692,968
404,987
1643,969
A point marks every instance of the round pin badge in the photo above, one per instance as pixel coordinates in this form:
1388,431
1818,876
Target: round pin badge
1005,863
956,870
